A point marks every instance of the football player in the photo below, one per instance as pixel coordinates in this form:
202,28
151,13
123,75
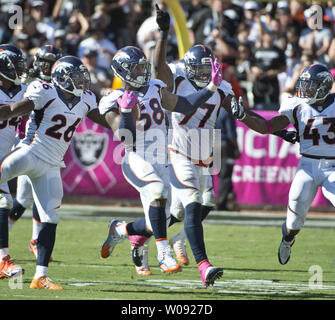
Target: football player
12,67
145,170
312,111
44,60
56,109
188,173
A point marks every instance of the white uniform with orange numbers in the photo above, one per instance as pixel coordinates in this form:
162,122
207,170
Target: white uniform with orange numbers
191,144
316,128
40,154
8,130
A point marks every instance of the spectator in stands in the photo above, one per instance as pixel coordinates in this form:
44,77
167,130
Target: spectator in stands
316,39
205,21
252,18
190,8
243,31
100,43
267,62
285,18
45,25
98,75
307,58
23,43
37,39
63,44
76,29
121,25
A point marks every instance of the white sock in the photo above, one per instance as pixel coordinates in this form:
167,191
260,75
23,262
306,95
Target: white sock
36,229
40,271
162,244
3,252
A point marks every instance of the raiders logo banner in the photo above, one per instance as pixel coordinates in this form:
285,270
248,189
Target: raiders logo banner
93,164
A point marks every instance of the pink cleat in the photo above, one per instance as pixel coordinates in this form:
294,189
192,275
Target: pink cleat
208,273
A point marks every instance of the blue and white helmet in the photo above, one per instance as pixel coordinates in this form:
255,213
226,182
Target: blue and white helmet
314,83
197,61
71,75
132,66
12,63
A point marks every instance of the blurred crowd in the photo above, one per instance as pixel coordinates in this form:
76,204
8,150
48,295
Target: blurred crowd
263,46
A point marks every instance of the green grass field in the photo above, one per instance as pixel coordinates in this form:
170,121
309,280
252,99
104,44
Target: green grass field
247,254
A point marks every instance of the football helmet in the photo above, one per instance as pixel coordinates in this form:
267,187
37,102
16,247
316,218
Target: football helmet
314,83
71,75
12,63
197,61
44,59
132,66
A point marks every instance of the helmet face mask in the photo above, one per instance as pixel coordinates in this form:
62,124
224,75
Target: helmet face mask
45,57
314,84
131,65
197,61
71,75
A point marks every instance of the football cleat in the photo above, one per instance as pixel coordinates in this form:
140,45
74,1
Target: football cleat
8,269
284,251
167,263
144,269
44,283
136,243
177,243
209,274
112,239
33,248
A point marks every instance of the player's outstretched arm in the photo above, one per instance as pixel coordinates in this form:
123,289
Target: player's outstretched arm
255,121
96,117
161,69
190,103
15,109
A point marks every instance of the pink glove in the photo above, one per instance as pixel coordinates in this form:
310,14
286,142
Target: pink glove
216,72
127,101
21,130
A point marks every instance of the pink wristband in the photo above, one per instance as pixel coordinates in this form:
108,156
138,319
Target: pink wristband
270,129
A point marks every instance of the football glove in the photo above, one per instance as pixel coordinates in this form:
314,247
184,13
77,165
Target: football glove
162,19
237,109
289,136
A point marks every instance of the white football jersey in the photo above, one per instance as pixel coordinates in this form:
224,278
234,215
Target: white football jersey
151,127
8,128
54,120
315,125
188,134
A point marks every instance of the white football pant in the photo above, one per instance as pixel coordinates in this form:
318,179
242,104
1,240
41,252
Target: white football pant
45,180
311,174
150,180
